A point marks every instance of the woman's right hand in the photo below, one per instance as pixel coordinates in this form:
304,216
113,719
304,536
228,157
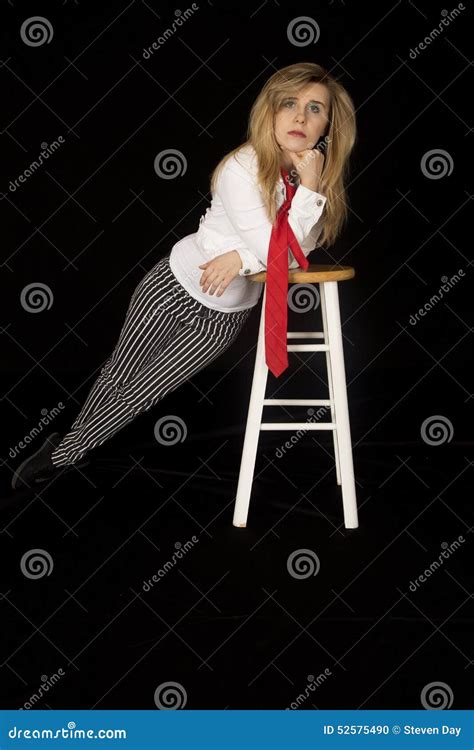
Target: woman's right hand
219,272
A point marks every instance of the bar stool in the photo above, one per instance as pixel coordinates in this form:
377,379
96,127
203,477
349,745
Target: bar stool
327,277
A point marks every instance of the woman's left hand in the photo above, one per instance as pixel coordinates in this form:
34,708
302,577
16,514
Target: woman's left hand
309,164
220,271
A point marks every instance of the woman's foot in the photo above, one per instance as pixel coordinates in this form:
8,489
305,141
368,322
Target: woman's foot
39,467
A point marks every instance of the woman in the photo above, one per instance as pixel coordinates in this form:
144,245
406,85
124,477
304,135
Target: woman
190,307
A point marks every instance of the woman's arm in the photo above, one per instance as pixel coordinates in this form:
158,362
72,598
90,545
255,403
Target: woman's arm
236,187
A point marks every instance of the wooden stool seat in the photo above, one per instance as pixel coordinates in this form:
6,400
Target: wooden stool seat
313,275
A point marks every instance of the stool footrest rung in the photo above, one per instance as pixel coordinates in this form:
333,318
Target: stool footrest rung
305,334
297,402
297,426
307,347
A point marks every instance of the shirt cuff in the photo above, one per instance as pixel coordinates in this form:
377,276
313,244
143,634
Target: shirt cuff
307,201
250,264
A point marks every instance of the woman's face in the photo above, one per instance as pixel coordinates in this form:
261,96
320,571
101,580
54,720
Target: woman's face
306,112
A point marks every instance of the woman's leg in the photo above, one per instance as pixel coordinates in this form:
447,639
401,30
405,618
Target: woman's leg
141,337
167,338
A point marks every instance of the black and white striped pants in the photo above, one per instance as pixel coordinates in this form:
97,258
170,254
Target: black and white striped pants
167,337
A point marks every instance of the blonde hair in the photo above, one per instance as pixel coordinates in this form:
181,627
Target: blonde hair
340,136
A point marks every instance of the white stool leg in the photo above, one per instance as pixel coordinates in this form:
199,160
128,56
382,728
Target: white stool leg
336,354
252,431
331,389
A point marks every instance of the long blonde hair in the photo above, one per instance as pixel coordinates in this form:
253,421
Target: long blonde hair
340,136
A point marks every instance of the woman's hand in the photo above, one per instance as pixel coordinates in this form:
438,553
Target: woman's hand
220,271
309,164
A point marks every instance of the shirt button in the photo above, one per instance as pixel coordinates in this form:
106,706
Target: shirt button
246,270
319,202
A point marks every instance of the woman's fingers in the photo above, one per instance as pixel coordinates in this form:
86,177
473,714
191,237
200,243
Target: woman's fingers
211,280
217,283
217,275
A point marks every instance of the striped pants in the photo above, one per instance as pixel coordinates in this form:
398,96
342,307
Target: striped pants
167,337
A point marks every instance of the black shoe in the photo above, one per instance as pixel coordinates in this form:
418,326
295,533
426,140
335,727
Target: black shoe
39,467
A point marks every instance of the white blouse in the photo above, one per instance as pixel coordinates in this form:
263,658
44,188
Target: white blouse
237,220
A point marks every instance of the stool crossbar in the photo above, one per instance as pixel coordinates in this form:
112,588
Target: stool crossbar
331,336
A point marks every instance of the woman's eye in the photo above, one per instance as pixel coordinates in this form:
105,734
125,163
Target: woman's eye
314,107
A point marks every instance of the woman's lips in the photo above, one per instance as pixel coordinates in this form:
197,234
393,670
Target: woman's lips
296,135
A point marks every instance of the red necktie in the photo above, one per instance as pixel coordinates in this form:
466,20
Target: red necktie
276,303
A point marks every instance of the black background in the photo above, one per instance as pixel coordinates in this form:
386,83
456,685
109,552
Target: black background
229,624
